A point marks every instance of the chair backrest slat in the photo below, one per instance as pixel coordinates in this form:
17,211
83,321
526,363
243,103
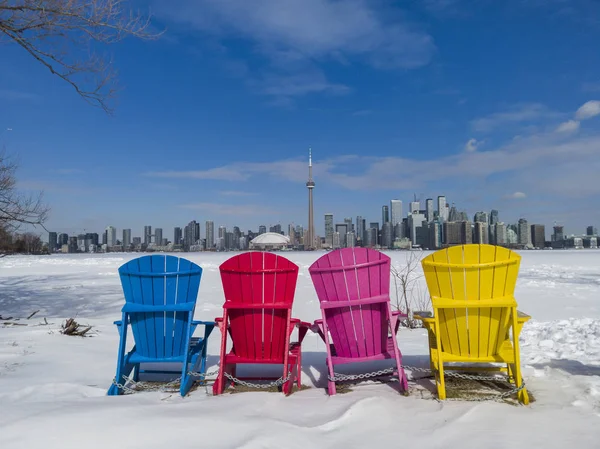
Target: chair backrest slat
160,334
349,274
259,278
473,273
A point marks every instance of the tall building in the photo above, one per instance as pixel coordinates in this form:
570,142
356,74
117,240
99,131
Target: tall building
276,229
310,185
396,212
429,210
415,221
500,234
111,236
538,235
329,229
481,217
222,232
177,235
348,221
591,230
342,229
385,215
442,210
147,235
52,241
360,228
126,238
63,239
415,206
480,232
435,234
350,240
210,234
158,236
524,232
559,234
387,234
262,229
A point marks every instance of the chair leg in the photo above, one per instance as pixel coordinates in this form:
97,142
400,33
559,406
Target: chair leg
441,384
287,387
330,383
299,371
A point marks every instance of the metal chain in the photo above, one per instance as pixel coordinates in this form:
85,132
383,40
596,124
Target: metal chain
348,377
275,383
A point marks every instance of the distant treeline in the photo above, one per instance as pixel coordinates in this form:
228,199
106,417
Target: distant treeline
21,243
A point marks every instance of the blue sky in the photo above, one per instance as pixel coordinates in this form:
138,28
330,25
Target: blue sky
493,104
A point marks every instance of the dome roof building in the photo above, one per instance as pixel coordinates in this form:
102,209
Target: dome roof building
270,240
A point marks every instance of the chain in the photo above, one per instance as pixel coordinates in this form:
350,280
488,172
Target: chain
338,377
147,386
275,383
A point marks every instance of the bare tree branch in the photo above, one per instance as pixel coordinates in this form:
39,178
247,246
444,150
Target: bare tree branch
17,208
61,35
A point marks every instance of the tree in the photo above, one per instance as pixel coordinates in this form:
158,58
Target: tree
17,208
62,36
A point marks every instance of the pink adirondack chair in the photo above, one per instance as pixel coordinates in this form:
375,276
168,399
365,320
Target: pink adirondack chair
358,325
259,292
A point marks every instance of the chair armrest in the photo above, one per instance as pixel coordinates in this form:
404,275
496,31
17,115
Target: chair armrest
205,323
399,313
118,323
303,328
522,317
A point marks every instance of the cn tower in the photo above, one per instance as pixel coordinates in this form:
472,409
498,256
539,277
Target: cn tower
310,185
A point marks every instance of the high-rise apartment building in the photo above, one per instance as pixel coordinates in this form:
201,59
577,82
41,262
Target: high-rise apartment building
559,234
591,230
524,232
177,236
538,235
147,235
210,234
52,241
158,236
415,206
348,221
111,236
387,234
126,238
262,229
329,229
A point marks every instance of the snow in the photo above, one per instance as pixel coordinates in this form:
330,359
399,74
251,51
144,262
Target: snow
53,387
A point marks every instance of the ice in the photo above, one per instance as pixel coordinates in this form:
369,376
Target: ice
53,387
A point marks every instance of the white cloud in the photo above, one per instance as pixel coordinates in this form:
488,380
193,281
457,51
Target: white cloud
519,113
588,110
295,36
314,28
568,127
472,145
516,196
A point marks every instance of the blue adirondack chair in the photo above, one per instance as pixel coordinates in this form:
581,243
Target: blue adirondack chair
160,297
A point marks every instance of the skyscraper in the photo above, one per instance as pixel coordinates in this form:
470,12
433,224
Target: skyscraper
210,234
360,228
177,236
126,238
310,185
396,211
524,232
52,241
538,235
158,236
385,215
329,229
429,210
442,210
147,235
111,236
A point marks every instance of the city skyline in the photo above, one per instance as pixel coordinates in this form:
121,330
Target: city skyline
392,100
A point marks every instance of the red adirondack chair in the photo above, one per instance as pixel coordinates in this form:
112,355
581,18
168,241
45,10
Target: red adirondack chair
259,291
358,325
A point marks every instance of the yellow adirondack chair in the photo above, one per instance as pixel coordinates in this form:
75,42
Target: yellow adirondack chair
475,317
